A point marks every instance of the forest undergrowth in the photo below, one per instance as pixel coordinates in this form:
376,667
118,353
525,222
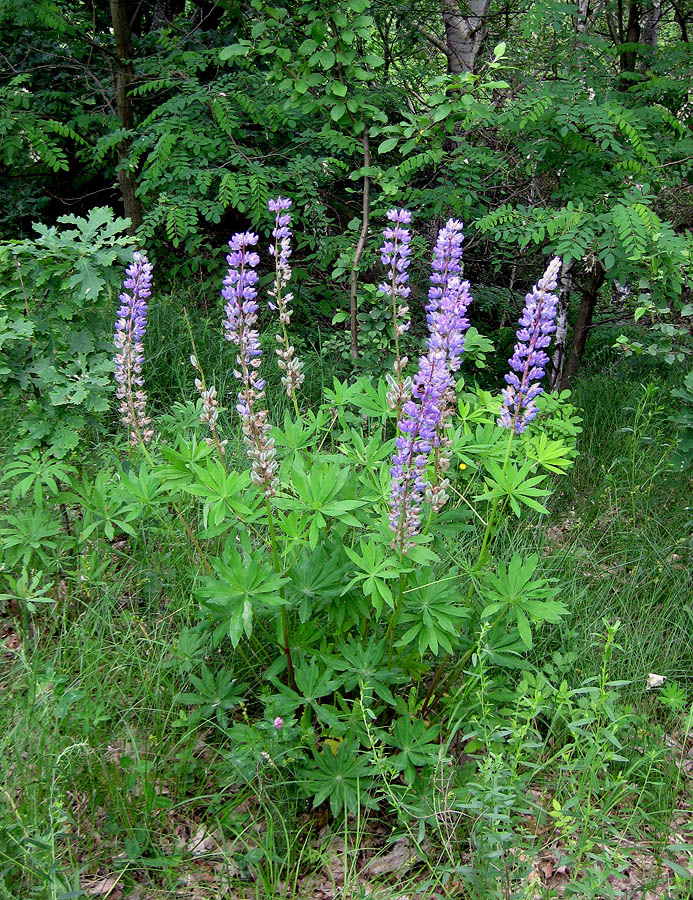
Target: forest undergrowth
577,772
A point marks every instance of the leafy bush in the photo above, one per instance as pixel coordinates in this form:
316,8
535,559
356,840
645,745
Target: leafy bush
55,356
328,563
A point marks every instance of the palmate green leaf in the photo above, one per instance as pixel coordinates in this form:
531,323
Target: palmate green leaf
515,484
298,436
215,695
37,472
29,532
318,495
364,667
312,684
317,578
179,472
243,585
552,455
220,490
367,455
375,567
418,745
372,400
142,487
434,611
486,442
505,648
106,505
342,393
345,779
525,597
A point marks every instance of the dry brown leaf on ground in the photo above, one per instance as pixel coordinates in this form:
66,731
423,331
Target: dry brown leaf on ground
399,859
203,842
107,887
334,863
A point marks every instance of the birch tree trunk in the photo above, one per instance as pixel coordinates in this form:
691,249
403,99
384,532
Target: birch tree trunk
464,33
583,7
123,79
649,24
561,333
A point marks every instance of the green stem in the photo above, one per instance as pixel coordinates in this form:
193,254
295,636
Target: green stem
285,617
179,514
461,663
483,552
393,621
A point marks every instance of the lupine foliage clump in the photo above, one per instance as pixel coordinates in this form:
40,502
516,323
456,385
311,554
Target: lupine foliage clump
331,532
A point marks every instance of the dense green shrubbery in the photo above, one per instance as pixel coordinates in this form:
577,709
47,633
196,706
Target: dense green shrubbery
55,347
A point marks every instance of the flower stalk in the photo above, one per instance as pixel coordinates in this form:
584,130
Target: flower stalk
528,362
289,364
395,253
423,412
130,327
240,326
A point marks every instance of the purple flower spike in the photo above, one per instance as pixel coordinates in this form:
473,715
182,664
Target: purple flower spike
130,326
528,362
289,364
395,254
423,415
241,318
447,255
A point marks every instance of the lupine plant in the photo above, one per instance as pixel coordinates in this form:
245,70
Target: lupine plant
357,529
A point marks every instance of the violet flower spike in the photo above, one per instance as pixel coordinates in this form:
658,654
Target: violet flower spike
291,367
395,254
241,318
447,255
130,327
433,383
453,305
528,362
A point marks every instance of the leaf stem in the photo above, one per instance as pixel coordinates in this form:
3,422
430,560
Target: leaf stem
483,552
393,620
284,614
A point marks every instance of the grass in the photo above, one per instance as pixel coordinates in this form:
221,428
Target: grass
109,789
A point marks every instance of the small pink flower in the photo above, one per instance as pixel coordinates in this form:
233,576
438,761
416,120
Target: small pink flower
279,723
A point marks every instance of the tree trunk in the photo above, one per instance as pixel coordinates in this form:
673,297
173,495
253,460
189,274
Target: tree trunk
590,293
560,337
124,74
353,276
650,32
464,33
630,54
681,19
583,7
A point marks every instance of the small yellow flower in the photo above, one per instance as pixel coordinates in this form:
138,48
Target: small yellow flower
463,466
